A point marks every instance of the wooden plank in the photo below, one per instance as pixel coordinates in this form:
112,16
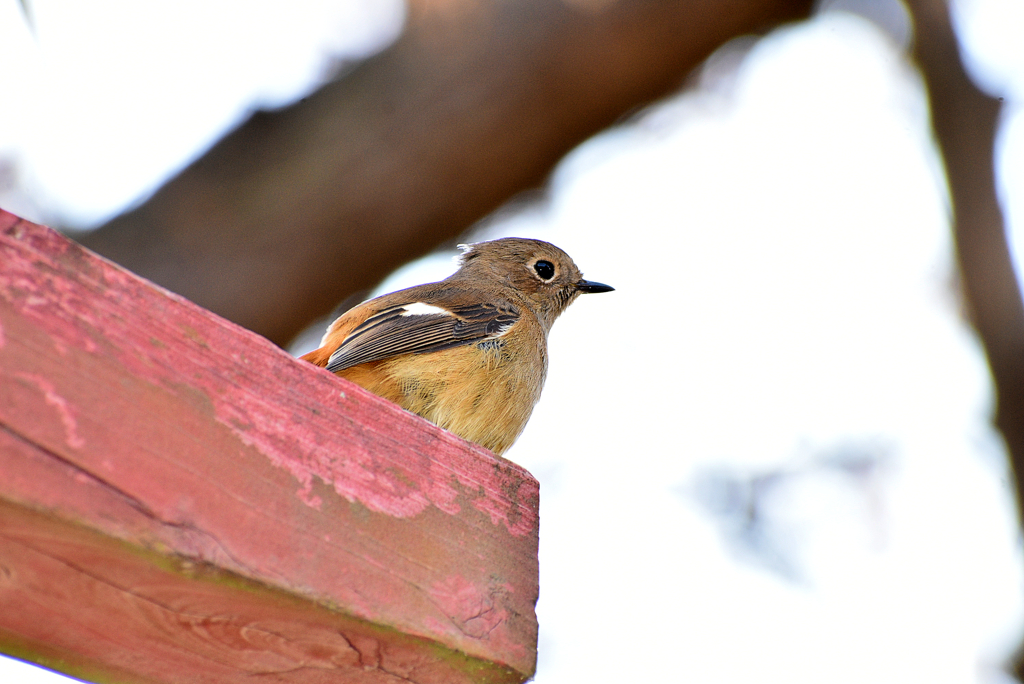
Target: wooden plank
146,443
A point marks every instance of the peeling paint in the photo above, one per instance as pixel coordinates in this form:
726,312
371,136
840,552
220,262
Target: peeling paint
400,484
64,409
305,493
475,611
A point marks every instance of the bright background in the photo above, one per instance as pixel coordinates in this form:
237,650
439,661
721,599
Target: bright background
767,456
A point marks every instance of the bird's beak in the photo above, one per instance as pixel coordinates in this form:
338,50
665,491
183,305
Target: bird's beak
590,286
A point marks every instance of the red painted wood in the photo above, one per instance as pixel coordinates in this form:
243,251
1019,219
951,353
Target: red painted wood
164,434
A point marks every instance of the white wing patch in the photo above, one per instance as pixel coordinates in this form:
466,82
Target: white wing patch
421,309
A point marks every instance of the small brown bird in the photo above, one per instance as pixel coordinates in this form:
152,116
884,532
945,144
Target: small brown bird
468,353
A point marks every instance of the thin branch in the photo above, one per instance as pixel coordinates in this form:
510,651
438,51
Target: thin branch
965,122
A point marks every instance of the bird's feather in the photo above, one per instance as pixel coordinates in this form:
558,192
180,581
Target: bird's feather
417,328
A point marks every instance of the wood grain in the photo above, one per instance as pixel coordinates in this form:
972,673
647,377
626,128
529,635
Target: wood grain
142,435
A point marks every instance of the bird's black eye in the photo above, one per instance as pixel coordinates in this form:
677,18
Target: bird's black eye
545,269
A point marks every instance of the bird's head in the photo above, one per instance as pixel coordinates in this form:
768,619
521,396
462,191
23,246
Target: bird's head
539,272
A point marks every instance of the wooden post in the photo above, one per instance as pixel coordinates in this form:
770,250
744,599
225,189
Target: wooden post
182,501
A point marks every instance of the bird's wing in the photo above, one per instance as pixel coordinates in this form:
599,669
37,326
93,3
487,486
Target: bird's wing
417,327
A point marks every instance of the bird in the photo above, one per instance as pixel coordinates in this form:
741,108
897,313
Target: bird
468,353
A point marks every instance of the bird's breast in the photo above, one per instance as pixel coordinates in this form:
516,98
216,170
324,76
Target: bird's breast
483,392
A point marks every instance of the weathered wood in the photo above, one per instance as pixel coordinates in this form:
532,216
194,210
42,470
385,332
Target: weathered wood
182,501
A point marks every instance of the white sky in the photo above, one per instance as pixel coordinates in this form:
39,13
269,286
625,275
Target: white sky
780,245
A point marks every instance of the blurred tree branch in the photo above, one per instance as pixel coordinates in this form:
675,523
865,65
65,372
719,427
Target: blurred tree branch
300,207
965,121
